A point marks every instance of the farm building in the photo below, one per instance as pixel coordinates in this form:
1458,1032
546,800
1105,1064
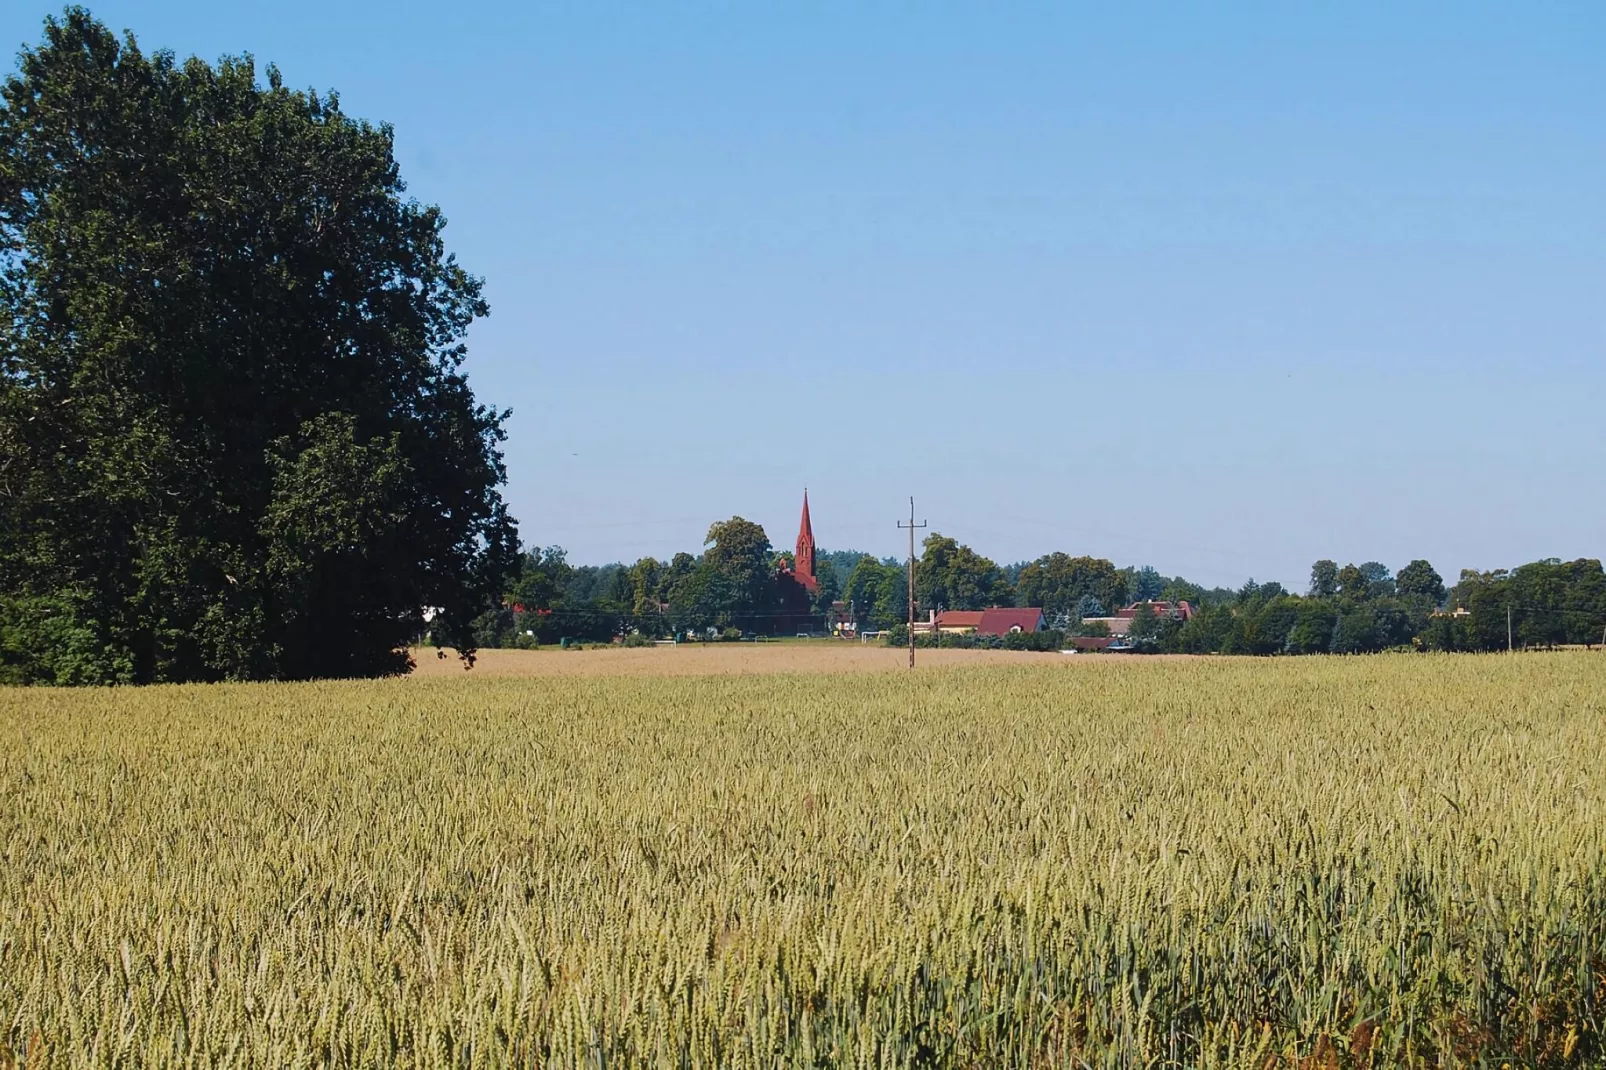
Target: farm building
1121,623
1002,621
958,621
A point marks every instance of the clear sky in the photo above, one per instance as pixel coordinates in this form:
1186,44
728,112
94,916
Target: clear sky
1221,288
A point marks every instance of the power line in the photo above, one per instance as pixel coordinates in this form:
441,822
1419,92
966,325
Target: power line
912,526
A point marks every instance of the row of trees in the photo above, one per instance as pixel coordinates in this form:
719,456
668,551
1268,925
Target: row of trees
1363,608
737,583
951,575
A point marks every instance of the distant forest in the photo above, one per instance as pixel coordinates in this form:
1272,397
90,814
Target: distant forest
736,587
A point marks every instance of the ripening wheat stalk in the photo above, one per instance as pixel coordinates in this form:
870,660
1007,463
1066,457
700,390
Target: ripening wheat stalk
1376,862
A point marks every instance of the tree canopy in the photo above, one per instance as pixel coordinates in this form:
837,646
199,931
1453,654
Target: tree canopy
236,440
950,575
1057,582
1366,608
879,591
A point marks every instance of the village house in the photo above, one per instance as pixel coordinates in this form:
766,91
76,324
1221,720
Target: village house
1121,623
958,621
1003,621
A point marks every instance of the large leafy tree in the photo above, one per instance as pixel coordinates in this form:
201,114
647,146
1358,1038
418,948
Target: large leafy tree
950,575
703,598
877,592
828,585
1145,583
740,552
1324,579
1058,582
1419,581
235,437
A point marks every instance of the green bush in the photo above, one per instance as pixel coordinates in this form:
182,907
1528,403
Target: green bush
1050,639
55,639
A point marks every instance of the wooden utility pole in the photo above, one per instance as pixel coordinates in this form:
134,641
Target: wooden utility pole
912,526
1509,647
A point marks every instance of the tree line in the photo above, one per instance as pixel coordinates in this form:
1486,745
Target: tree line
737,585
1363,608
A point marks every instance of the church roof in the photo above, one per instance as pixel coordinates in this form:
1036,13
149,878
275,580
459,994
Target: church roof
804,568
805,529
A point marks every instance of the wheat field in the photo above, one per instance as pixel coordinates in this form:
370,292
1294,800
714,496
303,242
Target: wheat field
823,656
1384,861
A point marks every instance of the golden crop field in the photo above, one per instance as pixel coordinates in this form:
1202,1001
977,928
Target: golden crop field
1318,862
715,659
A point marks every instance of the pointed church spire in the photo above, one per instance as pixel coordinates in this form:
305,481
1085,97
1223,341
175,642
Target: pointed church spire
803,566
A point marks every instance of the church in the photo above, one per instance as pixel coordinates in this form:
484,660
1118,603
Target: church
798,585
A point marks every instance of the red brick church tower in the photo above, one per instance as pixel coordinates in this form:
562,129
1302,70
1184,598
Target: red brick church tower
803,568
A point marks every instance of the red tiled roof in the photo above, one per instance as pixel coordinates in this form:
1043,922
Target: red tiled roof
1000,621
805,549
1181,610
1090,642
959,618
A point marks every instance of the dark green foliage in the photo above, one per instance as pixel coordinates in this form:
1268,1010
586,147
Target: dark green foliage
1353,586
1088,606
1418,580
1379,583
1211,630
878,592
705,598
829,582
1252,595
1312,631
1368,610
594,583
1545,603
1048,640
739,554
950,575
1324,579
1037,642
1145,584
1356,631
53,639
1178,589
1144,628
1447,633
1267,629
840,561
235,439
1058,582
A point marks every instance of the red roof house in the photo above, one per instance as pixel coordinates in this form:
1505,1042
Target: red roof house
1000,621
959,620
1176,610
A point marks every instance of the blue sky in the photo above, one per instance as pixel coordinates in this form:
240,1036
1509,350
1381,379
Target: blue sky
1221,288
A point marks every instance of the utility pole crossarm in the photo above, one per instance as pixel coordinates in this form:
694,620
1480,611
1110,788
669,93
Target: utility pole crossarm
912,526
